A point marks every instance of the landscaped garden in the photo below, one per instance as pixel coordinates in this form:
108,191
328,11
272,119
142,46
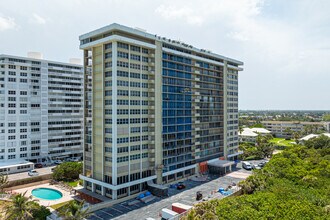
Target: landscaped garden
282,142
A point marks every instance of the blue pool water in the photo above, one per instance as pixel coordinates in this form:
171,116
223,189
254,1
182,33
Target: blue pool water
47,194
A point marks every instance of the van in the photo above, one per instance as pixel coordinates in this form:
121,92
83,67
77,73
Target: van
246,165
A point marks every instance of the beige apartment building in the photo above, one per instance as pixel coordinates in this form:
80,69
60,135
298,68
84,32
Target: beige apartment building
155,109
280,128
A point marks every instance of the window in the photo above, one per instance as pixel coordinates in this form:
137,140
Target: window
11,150
11,112
122,92
23,155
23,92
23,80
135,57
122,45
11,157
23,124
23,149
11,79
135,48
11,124
12,92
122,54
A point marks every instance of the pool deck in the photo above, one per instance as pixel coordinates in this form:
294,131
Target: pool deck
28,190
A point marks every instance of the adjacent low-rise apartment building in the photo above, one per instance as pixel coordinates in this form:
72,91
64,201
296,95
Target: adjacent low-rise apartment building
285,128
158,108
41,111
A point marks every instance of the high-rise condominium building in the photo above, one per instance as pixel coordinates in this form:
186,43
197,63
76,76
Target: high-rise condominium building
158,108
41,110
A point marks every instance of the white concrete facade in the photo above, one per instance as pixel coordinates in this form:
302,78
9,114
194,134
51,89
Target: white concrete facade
41,109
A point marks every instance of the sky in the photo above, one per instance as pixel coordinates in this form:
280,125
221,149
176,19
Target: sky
285,45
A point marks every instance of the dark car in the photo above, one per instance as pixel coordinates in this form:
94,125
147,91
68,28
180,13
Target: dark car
262,164
180,186
38,165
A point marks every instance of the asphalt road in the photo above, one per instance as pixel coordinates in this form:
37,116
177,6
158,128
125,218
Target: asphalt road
24,175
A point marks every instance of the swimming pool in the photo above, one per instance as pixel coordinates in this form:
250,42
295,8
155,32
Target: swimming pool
47,193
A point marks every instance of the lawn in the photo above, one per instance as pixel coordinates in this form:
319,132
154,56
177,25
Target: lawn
59,205
282,142
73,183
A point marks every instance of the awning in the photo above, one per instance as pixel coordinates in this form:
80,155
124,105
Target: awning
235,154
221,163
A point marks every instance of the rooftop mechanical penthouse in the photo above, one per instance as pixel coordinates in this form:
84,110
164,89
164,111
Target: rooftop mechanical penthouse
155,109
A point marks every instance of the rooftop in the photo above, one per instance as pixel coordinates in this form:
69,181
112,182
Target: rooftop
104,31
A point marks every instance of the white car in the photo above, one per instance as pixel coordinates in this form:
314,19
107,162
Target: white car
33,173
58,161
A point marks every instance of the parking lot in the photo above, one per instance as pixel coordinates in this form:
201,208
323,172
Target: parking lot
24,175
186,196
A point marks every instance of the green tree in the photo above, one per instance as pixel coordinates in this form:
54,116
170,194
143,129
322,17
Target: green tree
40,212
288,132
74,211
295,136
3,181
319,142
68,171
21,209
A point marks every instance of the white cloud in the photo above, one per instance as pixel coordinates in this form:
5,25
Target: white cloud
185,13
7,23
37,19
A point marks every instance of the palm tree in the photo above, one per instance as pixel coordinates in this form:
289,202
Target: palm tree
3,181
21,208
74,211
295,136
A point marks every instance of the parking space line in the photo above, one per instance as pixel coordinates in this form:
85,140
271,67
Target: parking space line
125,207
117,210
106,213
95,215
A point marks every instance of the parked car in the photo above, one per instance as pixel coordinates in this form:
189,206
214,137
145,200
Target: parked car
256,167
180,186
38,165
58,161
246,165
33,173
262,164
76,159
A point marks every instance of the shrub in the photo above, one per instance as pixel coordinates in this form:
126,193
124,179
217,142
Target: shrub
68,171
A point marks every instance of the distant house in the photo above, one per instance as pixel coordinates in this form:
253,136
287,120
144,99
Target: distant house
310,136
250,134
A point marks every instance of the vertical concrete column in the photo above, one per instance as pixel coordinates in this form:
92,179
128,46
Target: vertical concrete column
103,190
225,119
114,114
158,113
114,194
93,187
